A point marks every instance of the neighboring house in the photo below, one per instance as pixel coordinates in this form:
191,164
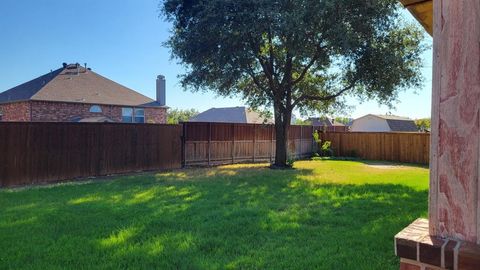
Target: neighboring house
328,124
383,123
231,115
77,94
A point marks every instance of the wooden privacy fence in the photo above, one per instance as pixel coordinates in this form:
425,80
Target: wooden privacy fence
47,152
226,143
398,147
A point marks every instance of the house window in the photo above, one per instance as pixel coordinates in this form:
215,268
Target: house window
139,115
95,109
131,115
127,115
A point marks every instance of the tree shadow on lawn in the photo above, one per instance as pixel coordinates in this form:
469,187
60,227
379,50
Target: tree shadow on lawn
244,218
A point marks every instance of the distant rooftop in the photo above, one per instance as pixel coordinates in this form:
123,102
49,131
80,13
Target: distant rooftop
392,117
231,115
325,121
397,123
75,83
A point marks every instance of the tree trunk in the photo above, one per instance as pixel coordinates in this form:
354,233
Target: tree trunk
282,124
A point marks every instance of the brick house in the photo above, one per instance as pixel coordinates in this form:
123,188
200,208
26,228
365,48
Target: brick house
77,94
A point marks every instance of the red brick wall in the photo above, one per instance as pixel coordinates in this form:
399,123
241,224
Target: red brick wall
44,111
15,112
156,115
65,112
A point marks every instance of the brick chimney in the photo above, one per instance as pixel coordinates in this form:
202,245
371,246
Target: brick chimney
161,98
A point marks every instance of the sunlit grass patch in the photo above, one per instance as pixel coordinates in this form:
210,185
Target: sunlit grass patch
323,214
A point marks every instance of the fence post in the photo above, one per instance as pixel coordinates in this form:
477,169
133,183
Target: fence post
254,140
340,146
312,141
233,143
301,141
209,141
184,144
271,144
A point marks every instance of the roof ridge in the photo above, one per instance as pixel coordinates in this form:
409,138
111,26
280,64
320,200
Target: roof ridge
77,85
27,89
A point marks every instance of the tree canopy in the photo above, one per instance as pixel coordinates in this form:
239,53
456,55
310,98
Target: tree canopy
423,124
178,115
303,54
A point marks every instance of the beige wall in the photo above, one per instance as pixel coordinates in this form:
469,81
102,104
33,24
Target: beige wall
370,123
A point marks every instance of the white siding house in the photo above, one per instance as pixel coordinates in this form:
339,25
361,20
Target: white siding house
383,123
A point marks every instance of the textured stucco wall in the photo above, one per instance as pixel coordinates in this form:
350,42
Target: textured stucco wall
454,180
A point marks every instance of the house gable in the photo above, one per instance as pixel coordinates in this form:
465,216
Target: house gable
370,123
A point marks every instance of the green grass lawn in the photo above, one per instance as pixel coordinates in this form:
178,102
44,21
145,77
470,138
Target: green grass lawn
322,215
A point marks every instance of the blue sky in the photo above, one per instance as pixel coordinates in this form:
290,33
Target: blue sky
122,40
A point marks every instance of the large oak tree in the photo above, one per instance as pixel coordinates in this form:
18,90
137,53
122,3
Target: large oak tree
302,54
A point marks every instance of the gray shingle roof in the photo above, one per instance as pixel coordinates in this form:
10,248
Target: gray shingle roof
231,115
406,125
27,90
76,84
324,121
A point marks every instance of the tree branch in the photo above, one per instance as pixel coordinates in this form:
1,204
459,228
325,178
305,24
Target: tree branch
251,73
323,98
308,66
270,48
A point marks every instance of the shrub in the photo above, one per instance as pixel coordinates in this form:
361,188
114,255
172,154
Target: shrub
290,162
326,149
316,137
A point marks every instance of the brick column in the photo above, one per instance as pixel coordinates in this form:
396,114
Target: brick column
451,237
